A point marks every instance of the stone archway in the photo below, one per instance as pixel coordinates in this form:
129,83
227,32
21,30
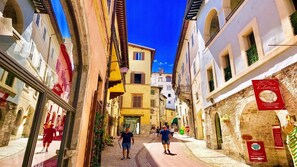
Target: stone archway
258,125
218,131
18,121
200,129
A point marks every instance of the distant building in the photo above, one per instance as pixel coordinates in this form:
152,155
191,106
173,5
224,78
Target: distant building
136,101
164,80
155,106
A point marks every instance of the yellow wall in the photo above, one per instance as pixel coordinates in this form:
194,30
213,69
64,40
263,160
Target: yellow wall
169,118
143,66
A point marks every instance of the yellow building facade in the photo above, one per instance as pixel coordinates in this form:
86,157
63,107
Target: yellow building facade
135,104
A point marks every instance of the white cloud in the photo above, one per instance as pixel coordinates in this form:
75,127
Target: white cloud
155,60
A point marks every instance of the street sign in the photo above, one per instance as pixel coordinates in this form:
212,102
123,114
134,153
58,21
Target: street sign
256,151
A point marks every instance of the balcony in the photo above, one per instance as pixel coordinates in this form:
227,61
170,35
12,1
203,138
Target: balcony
252,55
293,18
184,93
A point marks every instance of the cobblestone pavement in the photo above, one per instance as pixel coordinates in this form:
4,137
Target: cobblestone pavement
111,156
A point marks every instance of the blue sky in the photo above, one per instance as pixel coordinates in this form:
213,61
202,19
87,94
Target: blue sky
156,24
61,19
152,23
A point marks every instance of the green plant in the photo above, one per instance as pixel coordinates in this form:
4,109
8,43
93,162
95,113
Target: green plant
228,73
252,55
293,19
98,144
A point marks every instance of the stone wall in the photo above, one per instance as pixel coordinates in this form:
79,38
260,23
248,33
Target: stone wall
239,115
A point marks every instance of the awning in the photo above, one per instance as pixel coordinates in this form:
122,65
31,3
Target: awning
192,9
175,121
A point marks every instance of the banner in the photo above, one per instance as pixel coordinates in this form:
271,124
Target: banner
277,135
268,95
256,151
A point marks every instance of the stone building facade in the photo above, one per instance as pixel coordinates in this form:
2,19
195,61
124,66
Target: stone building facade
237,44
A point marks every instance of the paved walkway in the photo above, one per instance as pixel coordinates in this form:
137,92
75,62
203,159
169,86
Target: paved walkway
111,155
209,156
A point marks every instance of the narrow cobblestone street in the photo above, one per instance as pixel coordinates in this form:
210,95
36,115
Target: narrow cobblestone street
148,152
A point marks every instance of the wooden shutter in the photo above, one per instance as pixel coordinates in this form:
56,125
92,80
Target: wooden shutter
142,78
132,77
134,55
142,55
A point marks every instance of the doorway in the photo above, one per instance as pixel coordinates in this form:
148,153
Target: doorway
218,131
134,123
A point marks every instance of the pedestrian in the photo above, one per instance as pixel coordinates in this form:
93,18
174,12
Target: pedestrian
48,136
127,137
165,137
158,131
172,130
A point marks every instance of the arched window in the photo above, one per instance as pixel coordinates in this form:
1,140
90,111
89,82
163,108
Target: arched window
13,11
212,26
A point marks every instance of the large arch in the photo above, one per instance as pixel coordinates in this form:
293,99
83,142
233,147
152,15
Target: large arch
259,126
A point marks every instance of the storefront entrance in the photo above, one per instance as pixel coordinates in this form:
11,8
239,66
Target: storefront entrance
133,123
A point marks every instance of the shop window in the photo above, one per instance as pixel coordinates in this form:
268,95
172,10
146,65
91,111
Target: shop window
136,101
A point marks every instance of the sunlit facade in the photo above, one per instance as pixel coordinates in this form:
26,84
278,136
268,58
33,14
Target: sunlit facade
136,101
48,80
238,43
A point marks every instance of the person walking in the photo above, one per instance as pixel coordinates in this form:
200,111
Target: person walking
127,137
165,139
48,136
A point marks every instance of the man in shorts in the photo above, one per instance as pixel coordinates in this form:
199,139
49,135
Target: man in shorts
126,143
165,139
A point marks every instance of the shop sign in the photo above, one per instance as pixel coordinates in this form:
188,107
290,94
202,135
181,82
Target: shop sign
277,135
268,95
6,26
256,151
246,137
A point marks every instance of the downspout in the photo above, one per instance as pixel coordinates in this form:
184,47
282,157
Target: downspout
191,100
